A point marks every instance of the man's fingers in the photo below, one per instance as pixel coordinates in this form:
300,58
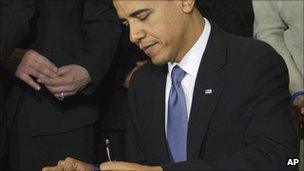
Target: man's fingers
106,166
55,168
60,163
48,168
70,163
66,165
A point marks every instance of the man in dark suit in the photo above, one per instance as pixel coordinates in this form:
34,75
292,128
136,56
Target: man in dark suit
208,101
240,104
233,16
52,108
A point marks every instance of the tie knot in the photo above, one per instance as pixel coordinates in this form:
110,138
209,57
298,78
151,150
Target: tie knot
177,75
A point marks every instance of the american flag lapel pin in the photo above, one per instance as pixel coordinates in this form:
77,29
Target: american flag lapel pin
208,91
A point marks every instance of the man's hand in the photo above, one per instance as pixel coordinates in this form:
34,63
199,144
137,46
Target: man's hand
139,64
70,164
36,65
70,80
117,166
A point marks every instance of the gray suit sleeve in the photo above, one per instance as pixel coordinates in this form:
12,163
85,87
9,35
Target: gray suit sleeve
271,28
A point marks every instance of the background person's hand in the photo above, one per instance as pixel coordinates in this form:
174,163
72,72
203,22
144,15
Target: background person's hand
35,65
139,64
70,164
70,80
299,103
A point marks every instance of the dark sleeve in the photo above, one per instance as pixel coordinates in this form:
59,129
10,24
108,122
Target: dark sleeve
270,137
133,149
14,26
101,32
15,16
126,57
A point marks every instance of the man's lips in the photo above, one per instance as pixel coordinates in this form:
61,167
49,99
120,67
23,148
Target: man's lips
146,47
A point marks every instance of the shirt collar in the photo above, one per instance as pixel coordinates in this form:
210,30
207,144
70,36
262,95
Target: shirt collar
191,61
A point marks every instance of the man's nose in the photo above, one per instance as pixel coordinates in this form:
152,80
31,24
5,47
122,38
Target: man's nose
136,33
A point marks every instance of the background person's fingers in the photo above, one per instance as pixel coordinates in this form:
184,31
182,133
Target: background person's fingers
42,68
56,90
28,80
35,60
66,94
63,70
35,73
46,62
54,82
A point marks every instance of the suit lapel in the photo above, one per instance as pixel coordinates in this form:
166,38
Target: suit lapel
207,91
160,82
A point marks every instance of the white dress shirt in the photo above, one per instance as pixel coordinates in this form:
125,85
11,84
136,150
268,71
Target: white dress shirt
190,64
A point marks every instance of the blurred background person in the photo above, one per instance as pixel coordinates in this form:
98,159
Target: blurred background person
14,26
280,23
53,103
234,16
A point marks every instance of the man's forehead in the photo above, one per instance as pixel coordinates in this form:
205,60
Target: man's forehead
127,7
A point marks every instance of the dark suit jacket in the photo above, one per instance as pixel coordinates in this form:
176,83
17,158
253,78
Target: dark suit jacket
234,16
114,96
14,17
125,59
244,124
14,24
68,32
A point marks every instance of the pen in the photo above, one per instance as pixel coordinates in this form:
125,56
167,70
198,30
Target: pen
109,150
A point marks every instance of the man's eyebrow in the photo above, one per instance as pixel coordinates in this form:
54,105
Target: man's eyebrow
135,13
139,11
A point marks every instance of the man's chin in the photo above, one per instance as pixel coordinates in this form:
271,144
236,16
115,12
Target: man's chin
156,61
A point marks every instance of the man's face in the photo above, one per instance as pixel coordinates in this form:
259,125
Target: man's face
156,26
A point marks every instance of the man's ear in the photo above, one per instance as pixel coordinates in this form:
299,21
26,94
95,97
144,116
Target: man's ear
187,5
